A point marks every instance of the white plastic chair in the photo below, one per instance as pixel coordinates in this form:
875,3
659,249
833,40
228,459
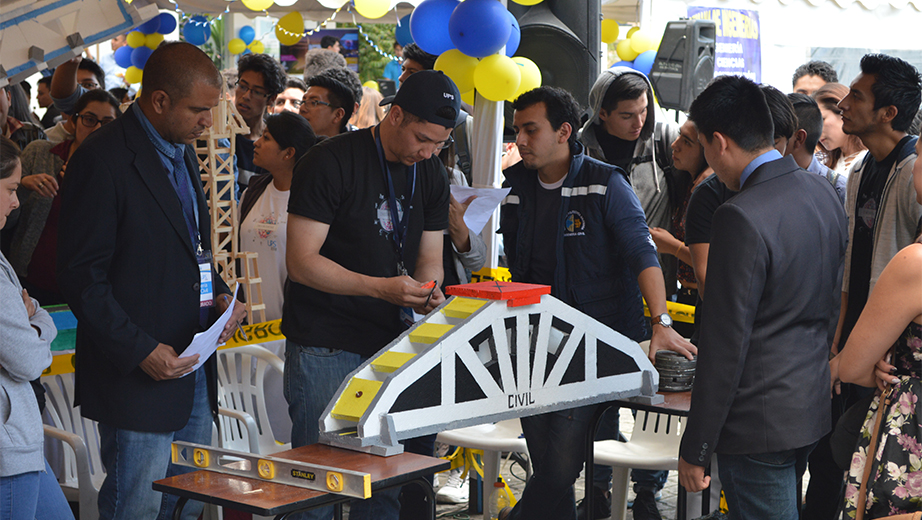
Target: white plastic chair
493,439
242,400
83,471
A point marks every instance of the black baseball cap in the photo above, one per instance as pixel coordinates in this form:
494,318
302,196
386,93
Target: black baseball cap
428,95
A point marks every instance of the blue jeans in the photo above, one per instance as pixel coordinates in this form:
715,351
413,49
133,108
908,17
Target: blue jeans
312,377
763,486
643,479
557,447
32,495
133,460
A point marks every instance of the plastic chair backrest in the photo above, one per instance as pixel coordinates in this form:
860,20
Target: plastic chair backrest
657,429
241,386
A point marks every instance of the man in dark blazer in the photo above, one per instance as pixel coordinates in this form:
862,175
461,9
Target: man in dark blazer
761,396
134,264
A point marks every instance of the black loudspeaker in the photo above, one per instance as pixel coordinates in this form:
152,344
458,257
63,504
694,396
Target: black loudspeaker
684,64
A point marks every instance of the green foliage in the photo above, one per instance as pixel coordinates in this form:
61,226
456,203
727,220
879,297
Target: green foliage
371,63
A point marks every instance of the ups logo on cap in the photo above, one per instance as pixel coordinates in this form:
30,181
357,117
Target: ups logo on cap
448,95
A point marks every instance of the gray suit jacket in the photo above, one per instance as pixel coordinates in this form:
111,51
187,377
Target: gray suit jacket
772,302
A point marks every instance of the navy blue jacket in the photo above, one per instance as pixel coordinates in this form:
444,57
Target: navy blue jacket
603,242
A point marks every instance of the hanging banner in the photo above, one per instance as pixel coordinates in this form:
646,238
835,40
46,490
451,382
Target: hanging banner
739,47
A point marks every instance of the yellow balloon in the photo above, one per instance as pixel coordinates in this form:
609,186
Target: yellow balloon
625,52
371,84
531,76
290,28
527,2
497,77
257,47
133,75
258,5
610,31
372,9
236,46
631,31
469,97
135,39
459,67
152,41
642,42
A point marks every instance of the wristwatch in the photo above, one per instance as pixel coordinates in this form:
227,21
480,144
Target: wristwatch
663,319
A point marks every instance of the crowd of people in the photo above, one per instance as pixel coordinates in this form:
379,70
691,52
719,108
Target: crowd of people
800,213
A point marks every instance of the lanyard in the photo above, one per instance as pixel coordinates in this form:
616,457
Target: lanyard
400,224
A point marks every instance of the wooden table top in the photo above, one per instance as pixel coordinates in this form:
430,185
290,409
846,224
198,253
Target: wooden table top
269,498
674,403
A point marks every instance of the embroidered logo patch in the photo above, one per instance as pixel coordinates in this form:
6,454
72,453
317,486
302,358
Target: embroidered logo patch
575,224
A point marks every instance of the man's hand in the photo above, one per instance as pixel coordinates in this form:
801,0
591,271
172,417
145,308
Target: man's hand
404,291
41,183
457,229
692,477
666,338
434,301
27,300
163,363
240,312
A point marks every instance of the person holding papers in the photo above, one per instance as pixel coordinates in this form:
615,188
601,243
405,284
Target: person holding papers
135,266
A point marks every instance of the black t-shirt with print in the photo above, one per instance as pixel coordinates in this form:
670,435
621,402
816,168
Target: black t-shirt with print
339,182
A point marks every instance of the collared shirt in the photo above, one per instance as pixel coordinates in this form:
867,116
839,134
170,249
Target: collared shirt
816,167
768,156
165,151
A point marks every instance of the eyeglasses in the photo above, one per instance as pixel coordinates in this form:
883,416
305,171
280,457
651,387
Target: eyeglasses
90,120
243,88
294,102
316,103
441,145
89,84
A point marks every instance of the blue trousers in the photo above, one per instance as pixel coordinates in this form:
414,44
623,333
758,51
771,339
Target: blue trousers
763,486
32,495
135,459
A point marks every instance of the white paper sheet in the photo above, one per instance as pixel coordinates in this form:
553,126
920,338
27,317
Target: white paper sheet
206,343
478,213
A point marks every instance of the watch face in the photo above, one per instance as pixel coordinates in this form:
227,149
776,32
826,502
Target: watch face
665,320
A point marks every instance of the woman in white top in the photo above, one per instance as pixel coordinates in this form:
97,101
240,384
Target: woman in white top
842,150
264,204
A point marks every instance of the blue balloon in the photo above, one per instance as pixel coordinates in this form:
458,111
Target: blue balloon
402,35
139,56
247,34
196,30
429,25
643,63
167,23
123,56
628,64
479,28
151,26
515,37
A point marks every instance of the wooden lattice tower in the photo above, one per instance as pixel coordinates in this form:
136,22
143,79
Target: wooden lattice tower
216,162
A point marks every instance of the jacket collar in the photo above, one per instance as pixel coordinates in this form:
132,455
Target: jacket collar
771,170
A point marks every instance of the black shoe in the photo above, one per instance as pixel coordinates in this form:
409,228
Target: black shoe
601,505
644,507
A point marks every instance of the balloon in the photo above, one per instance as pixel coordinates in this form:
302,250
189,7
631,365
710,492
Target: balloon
497,77
236,46
372,9
257,47
247,33
123,56
644,62
610,31
459,67
167,23
531,76
429,25
290,28
151,26
642,42
527,2
479,28
257,5
152,41
135,39
469,97
133,75
515,37
632,30
627,64
288,3
196,30
371,83
139,56
402,34
625,52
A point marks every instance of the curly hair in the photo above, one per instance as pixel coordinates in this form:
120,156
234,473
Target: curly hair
274,77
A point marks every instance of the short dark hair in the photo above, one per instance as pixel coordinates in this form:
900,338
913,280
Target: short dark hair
626,86
347,77
809,118
328,41
92,66
413,52
291,130
103,96
896,83
44,80
119,93
274,77
297,83
175,67
340,95
9,156
735,107
816,68
560,105
783,117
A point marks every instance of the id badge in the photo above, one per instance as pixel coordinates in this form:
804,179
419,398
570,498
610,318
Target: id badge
409,317
206,284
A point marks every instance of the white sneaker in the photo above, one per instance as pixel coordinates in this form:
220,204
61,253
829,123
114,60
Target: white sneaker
455,490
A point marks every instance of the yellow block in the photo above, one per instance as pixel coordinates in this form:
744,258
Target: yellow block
486,274
391,361
429,332
461,308
355,399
